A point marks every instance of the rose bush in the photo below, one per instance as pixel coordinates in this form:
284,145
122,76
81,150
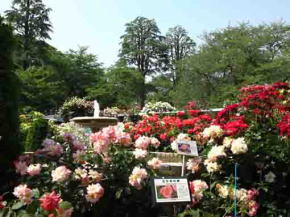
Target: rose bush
83,175
87,177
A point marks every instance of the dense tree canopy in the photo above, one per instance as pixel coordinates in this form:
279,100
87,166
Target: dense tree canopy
143,47
151,66
30,19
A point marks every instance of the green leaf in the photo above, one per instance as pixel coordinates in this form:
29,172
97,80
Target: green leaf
17,205
65,205
119,193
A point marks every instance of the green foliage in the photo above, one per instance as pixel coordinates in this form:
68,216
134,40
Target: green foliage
179,45
41,89
144,48
234,57
33,130
30,19
120,87
76,107
78,70
9,126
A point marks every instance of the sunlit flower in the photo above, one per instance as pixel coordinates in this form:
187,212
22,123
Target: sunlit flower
211,166
155,142
215,152
50,201
34,169
154,163
212,132
137,176
23,193
60,174
94,192
139,153
223,190
239,146
142,142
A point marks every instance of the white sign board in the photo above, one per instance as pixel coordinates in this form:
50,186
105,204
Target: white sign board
171,190
187,148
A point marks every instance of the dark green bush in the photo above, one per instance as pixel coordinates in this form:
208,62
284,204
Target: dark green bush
9,83
33,129
76,107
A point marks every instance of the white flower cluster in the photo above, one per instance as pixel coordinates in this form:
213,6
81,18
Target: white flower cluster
157,107
235,146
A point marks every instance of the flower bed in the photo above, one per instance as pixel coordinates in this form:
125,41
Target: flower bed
71,176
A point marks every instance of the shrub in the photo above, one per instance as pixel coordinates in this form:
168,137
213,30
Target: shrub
76,107
33,129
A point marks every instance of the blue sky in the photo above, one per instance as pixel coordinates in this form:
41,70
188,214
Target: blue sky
100,23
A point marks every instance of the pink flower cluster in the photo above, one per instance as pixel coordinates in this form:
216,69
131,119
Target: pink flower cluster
51,148
112,134
137,176
197,187
23,193
60,174
94,192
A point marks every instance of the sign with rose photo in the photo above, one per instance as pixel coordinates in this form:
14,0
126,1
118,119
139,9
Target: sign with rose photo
170,190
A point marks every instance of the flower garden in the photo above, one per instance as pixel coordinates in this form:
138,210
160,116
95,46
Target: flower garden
242,168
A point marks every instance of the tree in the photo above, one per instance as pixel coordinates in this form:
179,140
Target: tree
31,21
234,57
120,87
180,45
9,127
42,89
143,47
78,70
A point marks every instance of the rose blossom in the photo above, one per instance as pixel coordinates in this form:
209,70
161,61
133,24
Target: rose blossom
197,187
155,142
223,190
142,142
215,152
227,142
49,201
60,174
139,153
95,175
154,163
211,166
34,169
239,146
166,191
94,193
20,167
193,165
213,131
137,176
23,193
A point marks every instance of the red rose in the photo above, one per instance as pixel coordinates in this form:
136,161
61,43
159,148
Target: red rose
180,113
166,191
49,201
163,136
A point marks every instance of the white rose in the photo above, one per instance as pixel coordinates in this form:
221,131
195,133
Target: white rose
239,146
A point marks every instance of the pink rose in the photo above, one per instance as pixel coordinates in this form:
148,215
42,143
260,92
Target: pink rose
166,191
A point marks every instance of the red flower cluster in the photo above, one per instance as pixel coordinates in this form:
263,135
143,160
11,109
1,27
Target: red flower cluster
50,201
166,128
284,126
263,100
